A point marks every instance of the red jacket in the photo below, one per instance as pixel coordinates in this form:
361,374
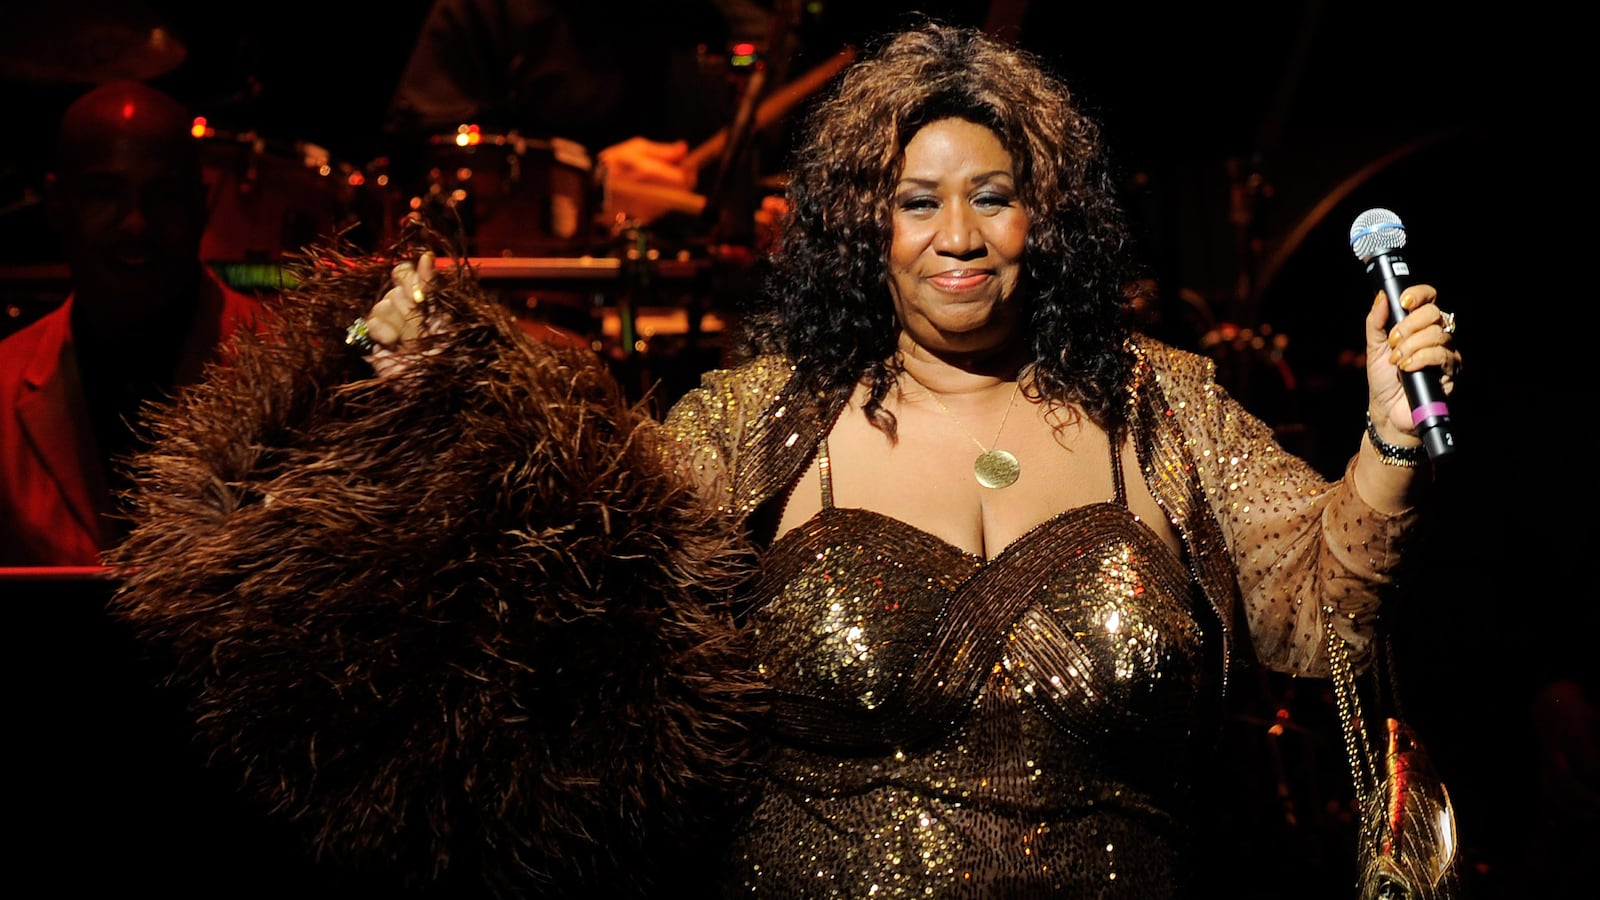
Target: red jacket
53,480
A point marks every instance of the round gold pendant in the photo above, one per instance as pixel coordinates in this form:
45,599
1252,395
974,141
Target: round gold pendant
996,469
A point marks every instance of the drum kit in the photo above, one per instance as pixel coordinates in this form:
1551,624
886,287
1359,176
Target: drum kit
539,220
554,229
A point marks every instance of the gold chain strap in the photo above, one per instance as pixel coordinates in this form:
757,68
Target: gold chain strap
1347,697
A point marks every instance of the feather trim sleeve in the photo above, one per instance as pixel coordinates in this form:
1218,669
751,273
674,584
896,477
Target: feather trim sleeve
465,622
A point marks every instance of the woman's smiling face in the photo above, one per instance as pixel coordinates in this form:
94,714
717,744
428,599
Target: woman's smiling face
959,231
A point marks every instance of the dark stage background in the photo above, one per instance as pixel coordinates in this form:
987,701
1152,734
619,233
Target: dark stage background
1250,135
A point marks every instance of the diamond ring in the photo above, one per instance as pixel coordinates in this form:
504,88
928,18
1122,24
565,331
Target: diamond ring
357,337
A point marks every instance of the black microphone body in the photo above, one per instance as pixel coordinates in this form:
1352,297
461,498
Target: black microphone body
1389,272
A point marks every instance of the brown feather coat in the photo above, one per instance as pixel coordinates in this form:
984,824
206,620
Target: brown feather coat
463,624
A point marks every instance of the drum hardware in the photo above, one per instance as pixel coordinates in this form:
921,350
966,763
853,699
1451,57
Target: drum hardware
269,198
774,107
506,195
501,194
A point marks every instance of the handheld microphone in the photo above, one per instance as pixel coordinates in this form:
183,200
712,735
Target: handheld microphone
1377,236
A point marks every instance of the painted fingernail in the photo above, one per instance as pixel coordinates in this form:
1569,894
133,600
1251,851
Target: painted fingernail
1406,301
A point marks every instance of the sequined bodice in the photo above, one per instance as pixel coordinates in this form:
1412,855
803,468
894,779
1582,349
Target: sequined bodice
950,727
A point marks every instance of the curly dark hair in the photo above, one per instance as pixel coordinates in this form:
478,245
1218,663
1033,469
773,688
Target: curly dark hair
825,302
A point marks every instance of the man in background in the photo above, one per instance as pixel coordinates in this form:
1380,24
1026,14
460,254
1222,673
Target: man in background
145,315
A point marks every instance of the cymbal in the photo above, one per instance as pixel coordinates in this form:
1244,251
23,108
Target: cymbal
87,42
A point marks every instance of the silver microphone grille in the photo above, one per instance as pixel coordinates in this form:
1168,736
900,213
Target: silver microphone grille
1376,231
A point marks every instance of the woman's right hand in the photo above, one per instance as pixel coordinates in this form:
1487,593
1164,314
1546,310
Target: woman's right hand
397,317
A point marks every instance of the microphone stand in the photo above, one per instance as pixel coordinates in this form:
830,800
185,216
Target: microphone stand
729,210
725,201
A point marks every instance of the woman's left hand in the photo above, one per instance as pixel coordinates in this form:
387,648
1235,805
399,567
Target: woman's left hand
1424,337
397,316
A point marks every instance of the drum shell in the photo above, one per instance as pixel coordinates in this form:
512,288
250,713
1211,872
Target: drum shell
502,196
265,202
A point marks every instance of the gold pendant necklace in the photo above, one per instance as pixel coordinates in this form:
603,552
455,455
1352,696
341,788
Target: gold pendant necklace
994,468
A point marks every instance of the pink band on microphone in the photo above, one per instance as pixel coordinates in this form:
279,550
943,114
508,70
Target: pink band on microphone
1429,410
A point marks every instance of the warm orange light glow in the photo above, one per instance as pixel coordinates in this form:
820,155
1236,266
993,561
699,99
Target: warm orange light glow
199,128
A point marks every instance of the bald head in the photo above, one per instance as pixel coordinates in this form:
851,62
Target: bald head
125,113
128,201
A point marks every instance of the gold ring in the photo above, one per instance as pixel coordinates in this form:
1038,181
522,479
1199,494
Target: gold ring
418,295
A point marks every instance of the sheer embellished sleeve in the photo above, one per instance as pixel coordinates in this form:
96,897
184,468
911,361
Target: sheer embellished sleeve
717,429
1301,545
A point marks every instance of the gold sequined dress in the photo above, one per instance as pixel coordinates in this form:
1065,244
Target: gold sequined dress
983,729
1026,726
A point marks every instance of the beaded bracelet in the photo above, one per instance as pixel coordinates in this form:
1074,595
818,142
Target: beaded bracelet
1389,454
